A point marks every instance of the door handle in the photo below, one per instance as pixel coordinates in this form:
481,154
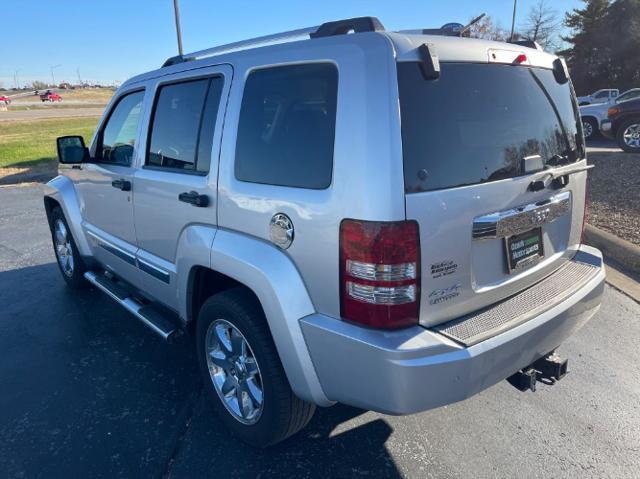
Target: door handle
194,198
123,185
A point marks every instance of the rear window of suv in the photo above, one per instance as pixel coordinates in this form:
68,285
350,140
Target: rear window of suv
477,122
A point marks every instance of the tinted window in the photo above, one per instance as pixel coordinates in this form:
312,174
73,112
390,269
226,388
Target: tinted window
119,134
629,95
602,94
287,126
183,125
478,121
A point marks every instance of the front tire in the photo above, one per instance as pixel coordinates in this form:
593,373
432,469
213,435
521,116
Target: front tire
242,373
628,136
69,261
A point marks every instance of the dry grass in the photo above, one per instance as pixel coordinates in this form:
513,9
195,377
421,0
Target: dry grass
90,95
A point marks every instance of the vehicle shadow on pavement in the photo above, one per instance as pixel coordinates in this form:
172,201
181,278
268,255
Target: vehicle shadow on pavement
338,442
88,391
40,170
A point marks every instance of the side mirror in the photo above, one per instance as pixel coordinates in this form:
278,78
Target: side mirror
71,150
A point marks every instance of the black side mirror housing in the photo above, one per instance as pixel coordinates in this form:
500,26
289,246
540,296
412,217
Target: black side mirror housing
71,150
560,71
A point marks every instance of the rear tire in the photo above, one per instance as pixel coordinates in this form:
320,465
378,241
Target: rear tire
236,353
68,258
628,136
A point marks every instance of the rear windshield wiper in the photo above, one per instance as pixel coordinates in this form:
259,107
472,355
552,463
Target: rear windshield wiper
558,177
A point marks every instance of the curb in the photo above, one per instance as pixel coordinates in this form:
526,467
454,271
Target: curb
622,251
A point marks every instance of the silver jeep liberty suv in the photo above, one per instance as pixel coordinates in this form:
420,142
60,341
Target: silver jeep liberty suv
390,220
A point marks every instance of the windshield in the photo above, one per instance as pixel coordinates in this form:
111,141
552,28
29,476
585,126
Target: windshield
477,122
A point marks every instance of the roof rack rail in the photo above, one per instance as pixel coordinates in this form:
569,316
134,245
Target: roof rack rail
342,27
339,27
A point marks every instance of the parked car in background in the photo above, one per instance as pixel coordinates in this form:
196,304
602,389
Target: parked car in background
600,96
50,96
5,99
623,125
593,115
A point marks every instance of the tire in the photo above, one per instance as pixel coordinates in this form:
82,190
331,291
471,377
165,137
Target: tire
73,276
628,135
590,128
237,313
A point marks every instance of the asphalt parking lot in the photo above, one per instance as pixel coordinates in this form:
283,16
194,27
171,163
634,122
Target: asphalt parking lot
87,391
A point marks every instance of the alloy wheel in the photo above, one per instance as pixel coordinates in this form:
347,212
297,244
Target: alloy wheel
64,251
587,128
631,136
234,371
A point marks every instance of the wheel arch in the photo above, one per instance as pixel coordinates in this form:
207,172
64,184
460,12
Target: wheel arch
61,192
266,271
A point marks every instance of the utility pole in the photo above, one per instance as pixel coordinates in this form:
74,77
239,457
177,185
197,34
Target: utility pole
53,79
15,78
79,79
513,20
176,10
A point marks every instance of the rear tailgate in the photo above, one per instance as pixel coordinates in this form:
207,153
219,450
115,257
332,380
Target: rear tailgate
473,142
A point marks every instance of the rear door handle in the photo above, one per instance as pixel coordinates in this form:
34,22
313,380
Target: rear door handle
194,198
123,185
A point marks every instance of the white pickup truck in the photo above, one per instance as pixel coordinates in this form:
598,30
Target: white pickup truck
592,115
600,96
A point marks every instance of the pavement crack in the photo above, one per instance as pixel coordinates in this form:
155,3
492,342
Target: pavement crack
189,412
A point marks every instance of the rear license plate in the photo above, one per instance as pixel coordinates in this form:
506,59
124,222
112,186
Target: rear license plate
524,250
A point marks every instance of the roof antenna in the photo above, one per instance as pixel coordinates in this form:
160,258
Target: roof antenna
472,23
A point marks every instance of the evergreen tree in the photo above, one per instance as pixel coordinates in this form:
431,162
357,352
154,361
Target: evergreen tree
586,55
620,38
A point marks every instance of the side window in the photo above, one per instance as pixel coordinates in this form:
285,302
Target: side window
118,138
183,124
287,125
602,94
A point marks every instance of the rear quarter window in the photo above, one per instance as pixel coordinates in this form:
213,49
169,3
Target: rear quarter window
287,123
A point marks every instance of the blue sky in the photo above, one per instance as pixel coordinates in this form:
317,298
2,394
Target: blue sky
111,40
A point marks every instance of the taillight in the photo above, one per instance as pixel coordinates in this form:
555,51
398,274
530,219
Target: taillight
613,111
380,273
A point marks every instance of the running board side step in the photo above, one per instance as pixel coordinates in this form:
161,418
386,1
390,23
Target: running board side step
149,316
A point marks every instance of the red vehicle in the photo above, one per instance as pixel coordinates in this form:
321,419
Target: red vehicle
50,96
5,99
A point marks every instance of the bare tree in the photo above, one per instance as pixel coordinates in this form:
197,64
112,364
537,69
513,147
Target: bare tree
488,30
38,85
542,25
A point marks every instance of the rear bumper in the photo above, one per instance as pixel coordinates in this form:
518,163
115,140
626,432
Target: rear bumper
606,128
416,369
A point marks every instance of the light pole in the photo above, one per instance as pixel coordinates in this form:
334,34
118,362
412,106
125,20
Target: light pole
53,79
513,19
176,10
15,78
